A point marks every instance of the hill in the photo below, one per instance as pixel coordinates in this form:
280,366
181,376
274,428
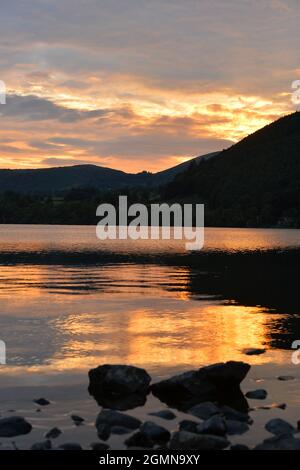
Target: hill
256,182
61,179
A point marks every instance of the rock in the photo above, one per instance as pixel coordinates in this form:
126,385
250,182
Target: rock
253,351
77,419
119,430
103,431
204,410
285,442
70,446
14,426
43,445
231,413
259,394
187,425
236,427
42,401
208,383
215,425
164,414
99,446
115,418
157,434
286,377
119,386
239,447
53,433
184,440
279,427
139,440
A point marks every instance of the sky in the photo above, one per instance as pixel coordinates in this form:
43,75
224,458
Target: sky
141,84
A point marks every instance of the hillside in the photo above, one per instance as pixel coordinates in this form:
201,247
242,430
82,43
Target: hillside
51,180
256,182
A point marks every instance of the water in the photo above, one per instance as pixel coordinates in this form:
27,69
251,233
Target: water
70,302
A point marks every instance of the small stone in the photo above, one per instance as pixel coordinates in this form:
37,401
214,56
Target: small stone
42,401
157,434
139,440
70,446
184,440
204,410
236,427
253,351
279,427
259,394
215,425
164,414
53,433
239,447
77,419
187,425
286,377
98,446
43,445
14,426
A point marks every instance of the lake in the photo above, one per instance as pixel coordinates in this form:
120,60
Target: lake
70,302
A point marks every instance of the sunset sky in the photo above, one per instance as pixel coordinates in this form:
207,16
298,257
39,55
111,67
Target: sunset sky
141,84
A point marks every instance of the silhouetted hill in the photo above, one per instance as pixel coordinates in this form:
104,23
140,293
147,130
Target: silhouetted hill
256,182
49,180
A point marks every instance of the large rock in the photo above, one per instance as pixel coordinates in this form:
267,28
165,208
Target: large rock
219,382
14,426
184,440
119,386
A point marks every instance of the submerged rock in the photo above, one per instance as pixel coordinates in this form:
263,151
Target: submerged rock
239,447
286,377
184,440
236,427
99,446
70,446
119,386
204,410
231,413
157,434
188,425
139,440
215,425
285,442
42,401
14,426
115,418
77,419
216,382
43,445
279,427
259,394
164,414
53,433
253,351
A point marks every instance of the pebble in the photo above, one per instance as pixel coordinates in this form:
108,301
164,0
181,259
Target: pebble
204,410
157,434
259,394
164,414
42,401
43,445
53,433
253,351
215,425
70,446
184,440
279,427
236,427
